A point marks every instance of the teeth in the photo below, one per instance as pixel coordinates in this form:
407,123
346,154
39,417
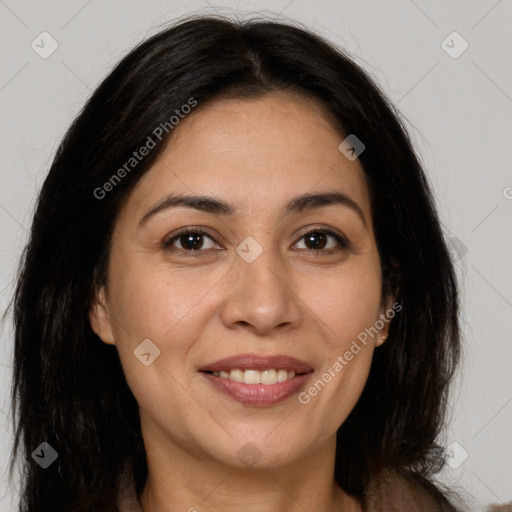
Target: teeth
252,377
267,377
237,375
282,375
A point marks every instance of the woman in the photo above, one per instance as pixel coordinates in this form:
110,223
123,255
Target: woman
236,293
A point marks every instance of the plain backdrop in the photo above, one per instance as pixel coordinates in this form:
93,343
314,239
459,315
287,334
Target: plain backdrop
457,105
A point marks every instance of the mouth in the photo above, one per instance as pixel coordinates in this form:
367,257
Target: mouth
258,380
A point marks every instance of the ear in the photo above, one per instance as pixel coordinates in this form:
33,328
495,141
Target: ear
100,318
389,305
386,314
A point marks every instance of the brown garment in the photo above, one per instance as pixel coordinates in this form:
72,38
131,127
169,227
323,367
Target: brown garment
393,492
390,492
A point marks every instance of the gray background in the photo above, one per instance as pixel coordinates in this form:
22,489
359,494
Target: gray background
459,114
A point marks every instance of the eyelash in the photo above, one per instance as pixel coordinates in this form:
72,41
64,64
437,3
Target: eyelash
342,241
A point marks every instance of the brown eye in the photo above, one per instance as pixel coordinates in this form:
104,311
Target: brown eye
316,240
190,240
324,241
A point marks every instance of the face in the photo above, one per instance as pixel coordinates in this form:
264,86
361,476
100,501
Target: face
258,270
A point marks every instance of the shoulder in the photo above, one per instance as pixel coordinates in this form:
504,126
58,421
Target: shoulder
395,491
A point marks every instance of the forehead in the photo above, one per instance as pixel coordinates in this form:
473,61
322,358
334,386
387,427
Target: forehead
256,153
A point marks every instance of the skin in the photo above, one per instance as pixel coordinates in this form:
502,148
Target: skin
257,155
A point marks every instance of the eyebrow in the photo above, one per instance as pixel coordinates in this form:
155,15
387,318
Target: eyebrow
302,203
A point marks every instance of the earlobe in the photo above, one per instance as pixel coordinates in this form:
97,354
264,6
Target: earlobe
381,339
100,319
386,315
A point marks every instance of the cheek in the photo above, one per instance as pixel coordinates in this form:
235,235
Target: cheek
336,388
347,306
167,310
347,302
171,309
152,302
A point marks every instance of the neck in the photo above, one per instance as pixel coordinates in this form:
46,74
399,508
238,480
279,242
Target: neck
180,480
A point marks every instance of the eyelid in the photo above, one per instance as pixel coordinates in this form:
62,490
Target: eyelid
328,230
342,240
200,230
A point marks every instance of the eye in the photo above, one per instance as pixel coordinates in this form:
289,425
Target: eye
324,240
195,240
190,240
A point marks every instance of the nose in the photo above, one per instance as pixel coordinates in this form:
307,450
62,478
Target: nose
261,297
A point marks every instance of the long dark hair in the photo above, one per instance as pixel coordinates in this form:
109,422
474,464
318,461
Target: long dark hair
69,389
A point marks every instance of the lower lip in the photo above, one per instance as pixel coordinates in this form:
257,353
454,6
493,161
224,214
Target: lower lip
258,394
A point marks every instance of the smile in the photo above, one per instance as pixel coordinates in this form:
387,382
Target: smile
267,377
258,380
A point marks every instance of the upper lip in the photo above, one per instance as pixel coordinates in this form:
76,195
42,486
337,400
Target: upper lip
257,362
